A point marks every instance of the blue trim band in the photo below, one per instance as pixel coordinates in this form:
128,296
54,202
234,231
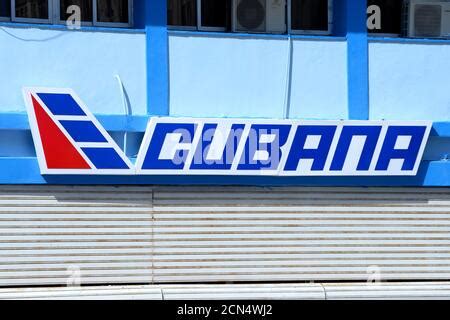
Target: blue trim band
19,121
214,34
60,27
157,48
26,171
138,123
409,40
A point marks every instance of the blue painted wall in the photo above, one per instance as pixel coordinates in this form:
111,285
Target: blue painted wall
85,61
346,76
241,76
319,64
409,81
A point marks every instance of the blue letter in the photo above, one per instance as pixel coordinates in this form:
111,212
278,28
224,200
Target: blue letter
209,134
169,146
319,153
409,154
263,147
372,134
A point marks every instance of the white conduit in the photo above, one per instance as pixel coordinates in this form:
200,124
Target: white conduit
287,96
126,109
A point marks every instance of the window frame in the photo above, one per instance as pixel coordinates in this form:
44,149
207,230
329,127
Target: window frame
7,19
198,26
57,16
387,35
185,28
97,23
290,30
32,20
54,16
199,21
384,35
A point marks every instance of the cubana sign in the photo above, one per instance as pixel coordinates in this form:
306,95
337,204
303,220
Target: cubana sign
70,140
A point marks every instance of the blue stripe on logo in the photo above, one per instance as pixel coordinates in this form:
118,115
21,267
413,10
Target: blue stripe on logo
105,158
61,104
83,131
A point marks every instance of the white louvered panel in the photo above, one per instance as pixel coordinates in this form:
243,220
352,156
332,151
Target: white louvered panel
214,234
48,233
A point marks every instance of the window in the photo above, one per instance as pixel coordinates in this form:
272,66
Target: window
304,16
116,11
390,17
111,13
210,15
311,16
31,10
85,6
214,14
182,13
5,9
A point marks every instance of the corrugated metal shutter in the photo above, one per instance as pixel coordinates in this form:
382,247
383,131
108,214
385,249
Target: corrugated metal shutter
53,234
296,234
221,234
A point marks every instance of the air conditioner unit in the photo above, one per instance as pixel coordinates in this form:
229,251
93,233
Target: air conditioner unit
265,16
428,19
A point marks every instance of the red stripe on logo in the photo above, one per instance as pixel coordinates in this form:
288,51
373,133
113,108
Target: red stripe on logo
59,152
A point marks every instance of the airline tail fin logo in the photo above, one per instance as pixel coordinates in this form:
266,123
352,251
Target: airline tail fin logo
68,138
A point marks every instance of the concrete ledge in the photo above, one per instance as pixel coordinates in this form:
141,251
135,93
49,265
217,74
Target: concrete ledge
301,291
245,292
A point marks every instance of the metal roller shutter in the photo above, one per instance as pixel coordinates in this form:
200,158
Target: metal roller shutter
52,235
221,234
300,234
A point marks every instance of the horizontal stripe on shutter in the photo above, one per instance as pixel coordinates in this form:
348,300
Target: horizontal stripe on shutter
195,234
51,234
